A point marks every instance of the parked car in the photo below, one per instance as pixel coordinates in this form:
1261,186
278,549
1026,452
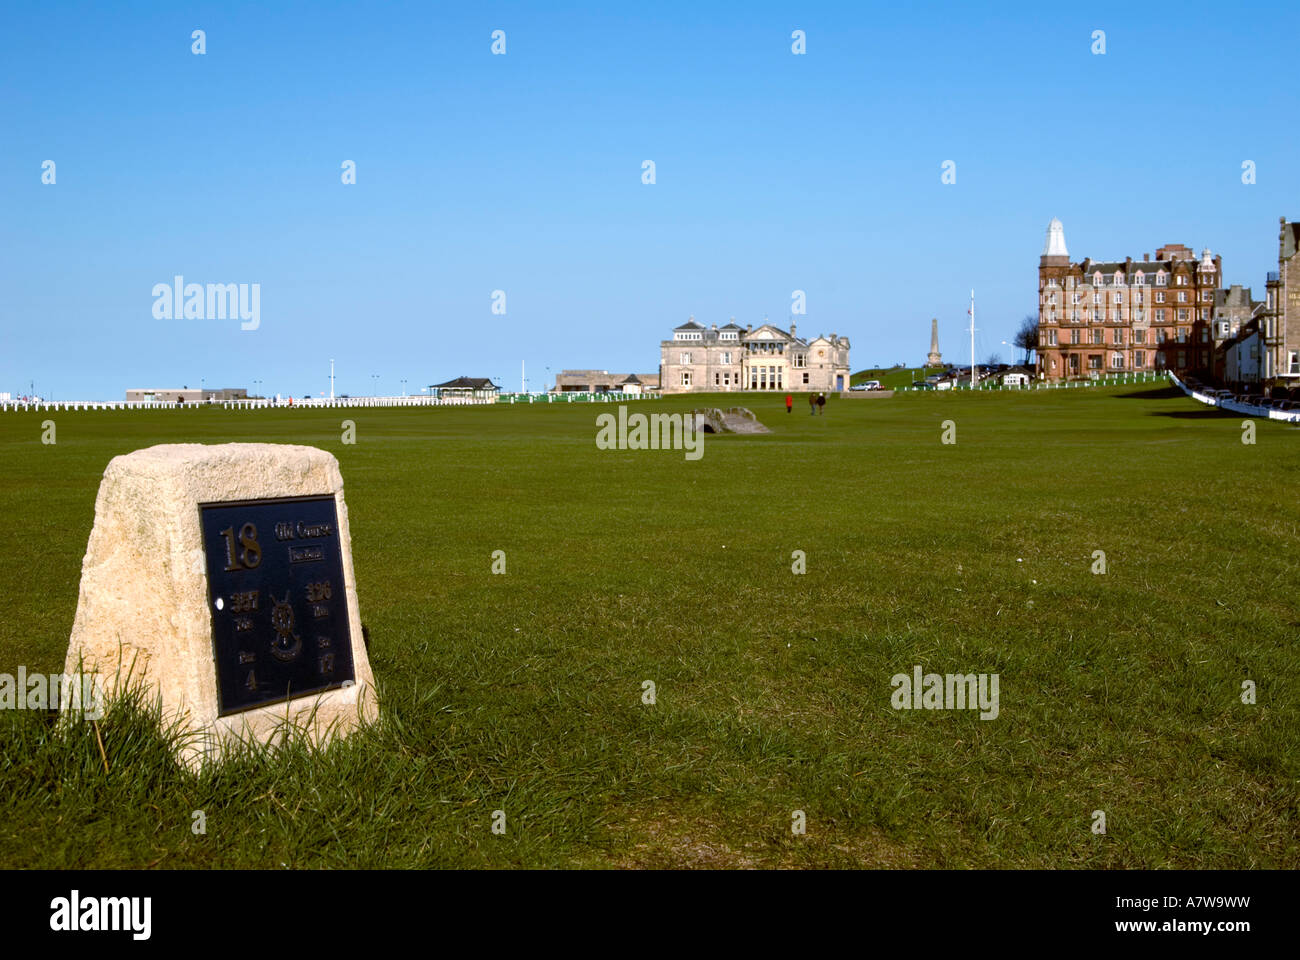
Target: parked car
870,385
922,385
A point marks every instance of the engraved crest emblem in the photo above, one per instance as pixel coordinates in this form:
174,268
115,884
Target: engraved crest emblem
287,645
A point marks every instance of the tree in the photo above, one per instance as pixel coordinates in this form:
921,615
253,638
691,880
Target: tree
1026,337
994,359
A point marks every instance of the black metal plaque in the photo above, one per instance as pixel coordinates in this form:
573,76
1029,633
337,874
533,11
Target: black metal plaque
277,598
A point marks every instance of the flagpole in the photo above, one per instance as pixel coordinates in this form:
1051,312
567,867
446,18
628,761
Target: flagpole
972,339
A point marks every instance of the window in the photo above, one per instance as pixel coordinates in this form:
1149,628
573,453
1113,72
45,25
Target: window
717,379
686,358
1094,361
1182,358
1096,298
1293,363
801,360
1182,280
1205,295
1075,297
1118,338
1098,335
1051,338
728,335
1118,298
1137,297
1161,279
805,378
726,356
1119,278
1074,336
1139,336
1097,280
1117,361
686,378
1139,358
1160,316
1182,296
1160,296
1140,280
1182,314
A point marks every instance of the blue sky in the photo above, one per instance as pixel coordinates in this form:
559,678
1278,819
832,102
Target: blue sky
522,173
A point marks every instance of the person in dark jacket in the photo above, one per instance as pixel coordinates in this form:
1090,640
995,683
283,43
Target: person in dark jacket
812,404
821,403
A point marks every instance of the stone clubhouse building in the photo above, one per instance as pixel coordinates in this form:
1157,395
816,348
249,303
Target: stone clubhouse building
736,359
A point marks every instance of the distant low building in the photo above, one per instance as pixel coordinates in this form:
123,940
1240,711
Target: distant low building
187,395
602,381
1243,355
216,395
466,388
165,395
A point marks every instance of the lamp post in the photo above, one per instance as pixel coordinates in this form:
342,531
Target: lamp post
331,378
374,380
403,386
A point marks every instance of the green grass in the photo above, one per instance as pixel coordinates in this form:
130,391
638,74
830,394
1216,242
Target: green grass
522,692
891,378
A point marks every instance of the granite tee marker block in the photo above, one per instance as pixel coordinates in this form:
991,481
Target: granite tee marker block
213,575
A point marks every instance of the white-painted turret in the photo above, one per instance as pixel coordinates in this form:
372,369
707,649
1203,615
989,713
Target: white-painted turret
1055,244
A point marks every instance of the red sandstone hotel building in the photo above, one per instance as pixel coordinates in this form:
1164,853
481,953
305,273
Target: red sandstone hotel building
1097,318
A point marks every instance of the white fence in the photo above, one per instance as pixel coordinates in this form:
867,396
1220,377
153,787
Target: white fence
1105,381
320,402
1236,406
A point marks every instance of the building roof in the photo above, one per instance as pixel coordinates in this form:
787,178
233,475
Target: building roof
1290,238
689,325
472,383
630,378
1234,296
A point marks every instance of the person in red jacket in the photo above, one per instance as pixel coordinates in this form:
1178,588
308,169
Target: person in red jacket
789,402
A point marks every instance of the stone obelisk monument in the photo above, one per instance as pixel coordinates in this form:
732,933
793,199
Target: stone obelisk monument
934,358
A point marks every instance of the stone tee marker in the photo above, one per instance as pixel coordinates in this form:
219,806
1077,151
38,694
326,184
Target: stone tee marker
223,573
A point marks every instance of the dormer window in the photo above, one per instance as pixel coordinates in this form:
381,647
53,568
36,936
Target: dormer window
1161,279
1097,280
1140,279
1119,279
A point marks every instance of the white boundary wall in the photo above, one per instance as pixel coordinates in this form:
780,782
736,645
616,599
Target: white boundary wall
1246,409
338,402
